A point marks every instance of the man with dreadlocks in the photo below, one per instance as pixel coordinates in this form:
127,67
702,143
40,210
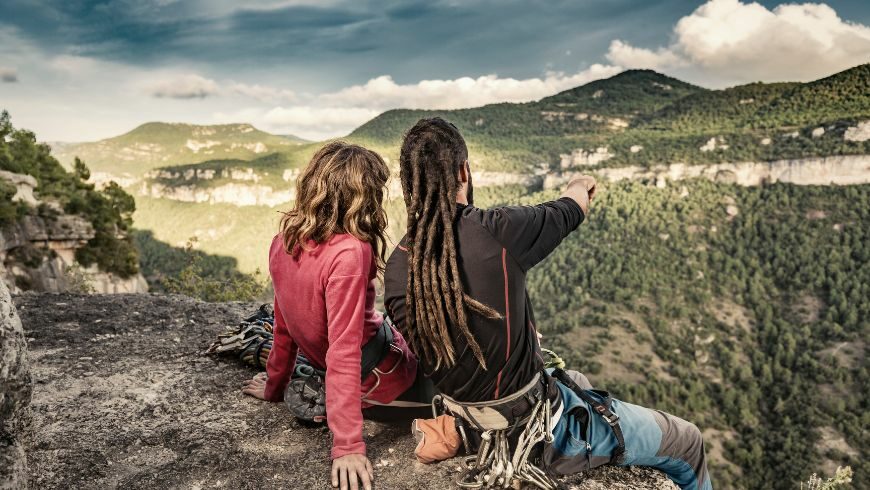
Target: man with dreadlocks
456,289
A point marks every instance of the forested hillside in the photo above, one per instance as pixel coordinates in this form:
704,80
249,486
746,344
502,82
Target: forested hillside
164,144
743,309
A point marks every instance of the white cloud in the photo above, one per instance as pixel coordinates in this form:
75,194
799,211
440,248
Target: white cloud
338,113
624,54
318,117
172,85
310,122
188,86
259,92
8,75
384,93
727,41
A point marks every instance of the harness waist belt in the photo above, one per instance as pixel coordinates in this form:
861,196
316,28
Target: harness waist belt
500,414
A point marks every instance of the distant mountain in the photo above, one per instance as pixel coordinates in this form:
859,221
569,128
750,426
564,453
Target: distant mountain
628,93
640,117
159,144
294,138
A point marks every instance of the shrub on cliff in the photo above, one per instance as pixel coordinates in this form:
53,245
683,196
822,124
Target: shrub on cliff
110,210
195,281
7,207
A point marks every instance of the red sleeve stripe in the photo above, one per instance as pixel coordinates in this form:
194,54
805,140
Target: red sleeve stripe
507,316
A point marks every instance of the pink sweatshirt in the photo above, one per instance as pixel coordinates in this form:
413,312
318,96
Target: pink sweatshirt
324,306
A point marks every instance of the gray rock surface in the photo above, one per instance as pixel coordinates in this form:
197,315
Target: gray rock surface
123,398
55,240
838,170
15,392
24,185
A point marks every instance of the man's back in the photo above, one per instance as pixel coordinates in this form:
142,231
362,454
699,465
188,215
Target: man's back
496,248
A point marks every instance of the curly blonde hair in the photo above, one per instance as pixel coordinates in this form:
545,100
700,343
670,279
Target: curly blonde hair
340,191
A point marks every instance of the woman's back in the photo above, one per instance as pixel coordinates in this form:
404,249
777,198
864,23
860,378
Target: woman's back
323,263
322,285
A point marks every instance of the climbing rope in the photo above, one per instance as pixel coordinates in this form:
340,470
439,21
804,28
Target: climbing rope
555,361
250,340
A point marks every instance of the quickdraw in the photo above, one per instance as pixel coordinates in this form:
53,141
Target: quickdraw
493,466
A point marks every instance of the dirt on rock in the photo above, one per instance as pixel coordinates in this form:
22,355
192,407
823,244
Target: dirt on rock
124,398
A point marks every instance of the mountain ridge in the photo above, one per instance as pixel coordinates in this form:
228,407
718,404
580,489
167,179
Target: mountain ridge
642,116
156,144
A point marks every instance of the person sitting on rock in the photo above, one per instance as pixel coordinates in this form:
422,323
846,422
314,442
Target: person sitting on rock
456,287
323,265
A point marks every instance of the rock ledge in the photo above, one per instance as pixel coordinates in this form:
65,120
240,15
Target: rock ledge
123,398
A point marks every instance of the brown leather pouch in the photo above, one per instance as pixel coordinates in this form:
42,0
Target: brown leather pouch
437,439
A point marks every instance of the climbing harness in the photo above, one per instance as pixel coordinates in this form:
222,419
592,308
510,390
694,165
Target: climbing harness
530,412
528,418
305,395
250,340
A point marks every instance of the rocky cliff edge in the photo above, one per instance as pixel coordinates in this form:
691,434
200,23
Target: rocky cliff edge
123,398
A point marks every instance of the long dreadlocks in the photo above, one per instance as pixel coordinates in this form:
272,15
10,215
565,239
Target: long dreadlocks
433,153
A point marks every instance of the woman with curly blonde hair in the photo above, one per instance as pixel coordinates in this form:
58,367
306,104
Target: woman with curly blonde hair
323,263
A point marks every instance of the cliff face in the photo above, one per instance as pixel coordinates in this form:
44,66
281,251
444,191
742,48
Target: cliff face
15,392
242,186
24,185
839,170
123,398
230,193
37,252
244,191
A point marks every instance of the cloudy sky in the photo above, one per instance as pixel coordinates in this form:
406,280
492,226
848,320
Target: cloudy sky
77,70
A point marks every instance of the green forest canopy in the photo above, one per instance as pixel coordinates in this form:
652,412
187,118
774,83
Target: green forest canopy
109,210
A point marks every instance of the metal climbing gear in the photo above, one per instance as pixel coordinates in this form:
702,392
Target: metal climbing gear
530,410
495,467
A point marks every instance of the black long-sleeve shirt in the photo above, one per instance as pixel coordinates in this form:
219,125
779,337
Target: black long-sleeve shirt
495,248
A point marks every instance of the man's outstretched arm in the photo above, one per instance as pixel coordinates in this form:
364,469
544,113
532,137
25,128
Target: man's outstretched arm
531,233
581,190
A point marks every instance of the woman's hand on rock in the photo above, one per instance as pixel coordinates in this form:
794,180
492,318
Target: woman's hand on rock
349,469
255,386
